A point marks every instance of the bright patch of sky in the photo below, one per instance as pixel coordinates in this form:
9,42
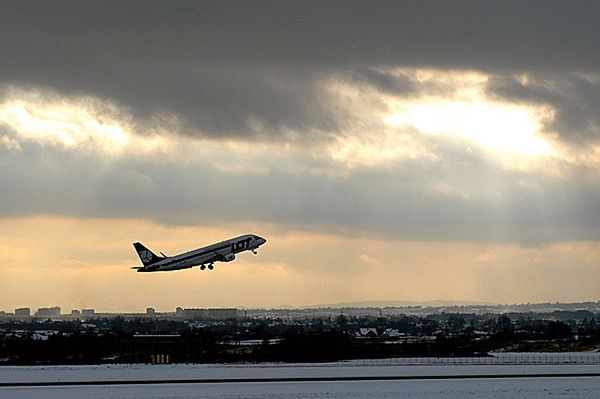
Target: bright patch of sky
70,122
494,126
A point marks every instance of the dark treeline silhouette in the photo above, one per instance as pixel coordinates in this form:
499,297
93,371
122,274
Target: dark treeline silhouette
319,339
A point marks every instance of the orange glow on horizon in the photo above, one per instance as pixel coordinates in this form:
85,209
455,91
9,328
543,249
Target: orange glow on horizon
85,263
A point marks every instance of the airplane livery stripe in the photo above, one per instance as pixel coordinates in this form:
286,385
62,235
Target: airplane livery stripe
177,260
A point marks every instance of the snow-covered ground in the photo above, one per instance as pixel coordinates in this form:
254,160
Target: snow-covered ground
534,388
116,372
570,387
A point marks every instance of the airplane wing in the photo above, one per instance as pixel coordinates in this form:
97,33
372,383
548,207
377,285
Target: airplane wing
225,258
219,257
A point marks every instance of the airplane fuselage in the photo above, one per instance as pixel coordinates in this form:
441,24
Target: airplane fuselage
223,251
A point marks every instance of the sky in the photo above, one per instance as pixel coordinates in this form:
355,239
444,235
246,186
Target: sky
408,151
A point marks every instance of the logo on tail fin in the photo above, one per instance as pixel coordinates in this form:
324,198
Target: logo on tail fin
145,256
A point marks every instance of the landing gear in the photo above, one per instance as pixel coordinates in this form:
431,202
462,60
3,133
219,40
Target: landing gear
202,267
210,266
254,252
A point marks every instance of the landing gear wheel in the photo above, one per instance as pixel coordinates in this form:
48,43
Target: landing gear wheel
202,267
211,266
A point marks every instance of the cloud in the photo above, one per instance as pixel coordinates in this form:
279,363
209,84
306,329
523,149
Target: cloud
574,98
465,197
280,112
242,69
398,84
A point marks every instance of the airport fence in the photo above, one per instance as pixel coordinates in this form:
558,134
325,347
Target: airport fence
544,358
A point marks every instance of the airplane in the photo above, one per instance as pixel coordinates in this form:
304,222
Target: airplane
204,257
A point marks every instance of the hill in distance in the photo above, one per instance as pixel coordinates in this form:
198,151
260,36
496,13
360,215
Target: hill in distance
392,303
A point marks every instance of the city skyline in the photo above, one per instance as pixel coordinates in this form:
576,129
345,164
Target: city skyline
371,309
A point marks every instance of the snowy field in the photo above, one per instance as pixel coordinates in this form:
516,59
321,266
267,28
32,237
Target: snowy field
116,372
580,388
538,387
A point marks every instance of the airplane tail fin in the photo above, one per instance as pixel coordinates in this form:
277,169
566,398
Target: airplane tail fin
146,256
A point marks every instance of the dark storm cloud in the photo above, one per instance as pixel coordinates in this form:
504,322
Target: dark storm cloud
224,65
574,98
386,82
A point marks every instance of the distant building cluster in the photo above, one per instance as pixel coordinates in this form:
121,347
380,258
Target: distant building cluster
54,313
23,312
48,312
219,314
206,314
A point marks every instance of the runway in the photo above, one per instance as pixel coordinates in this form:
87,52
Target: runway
294,379
482,388
341,380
